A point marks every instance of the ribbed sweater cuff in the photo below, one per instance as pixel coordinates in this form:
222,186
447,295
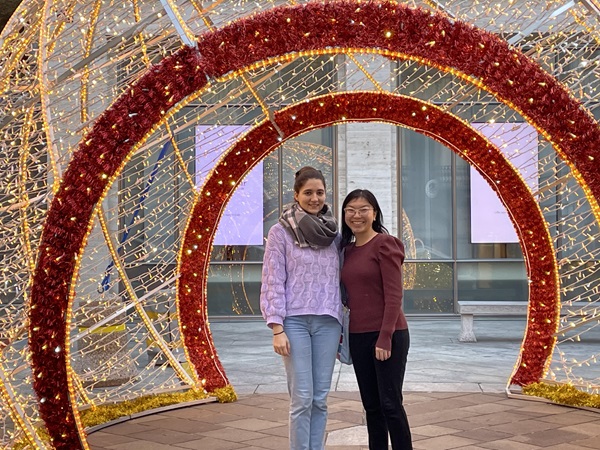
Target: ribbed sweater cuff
274,320
385,340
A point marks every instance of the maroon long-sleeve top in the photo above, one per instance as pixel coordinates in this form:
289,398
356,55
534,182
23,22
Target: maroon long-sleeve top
372,276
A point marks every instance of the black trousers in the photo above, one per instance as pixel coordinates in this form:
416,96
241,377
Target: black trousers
380,386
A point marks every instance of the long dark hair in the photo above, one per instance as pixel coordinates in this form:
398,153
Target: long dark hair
347,234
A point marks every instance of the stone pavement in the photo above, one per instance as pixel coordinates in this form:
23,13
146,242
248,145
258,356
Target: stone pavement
455,397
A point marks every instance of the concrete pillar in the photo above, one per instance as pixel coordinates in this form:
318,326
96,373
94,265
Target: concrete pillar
367,151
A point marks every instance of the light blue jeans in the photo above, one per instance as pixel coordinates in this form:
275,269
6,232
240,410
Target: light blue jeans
313,347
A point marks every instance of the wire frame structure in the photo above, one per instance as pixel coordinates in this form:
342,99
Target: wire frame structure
64,64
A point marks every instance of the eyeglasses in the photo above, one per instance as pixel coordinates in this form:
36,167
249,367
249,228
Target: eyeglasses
361,212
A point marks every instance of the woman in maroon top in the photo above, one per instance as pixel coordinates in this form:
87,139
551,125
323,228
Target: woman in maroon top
379,340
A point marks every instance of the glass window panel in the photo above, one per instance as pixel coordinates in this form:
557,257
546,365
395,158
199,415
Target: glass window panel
234,289
492,280
428,288
270,192
427,194
464,247
312,149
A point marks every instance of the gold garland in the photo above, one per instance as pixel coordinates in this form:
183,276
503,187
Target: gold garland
42,434
225,394
563,394
105,413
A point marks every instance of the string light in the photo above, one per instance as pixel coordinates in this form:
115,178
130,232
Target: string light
90,56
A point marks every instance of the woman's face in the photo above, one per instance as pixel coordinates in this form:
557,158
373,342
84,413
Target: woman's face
311,197
359,215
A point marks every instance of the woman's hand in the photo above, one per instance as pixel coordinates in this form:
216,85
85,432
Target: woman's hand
381,354
281,344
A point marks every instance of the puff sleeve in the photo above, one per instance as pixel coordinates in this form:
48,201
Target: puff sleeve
391,258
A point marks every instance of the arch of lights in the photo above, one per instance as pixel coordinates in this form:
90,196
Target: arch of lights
62,84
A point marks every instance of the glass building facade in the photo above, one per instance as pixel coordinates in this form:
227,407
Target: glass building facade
434,192
431,198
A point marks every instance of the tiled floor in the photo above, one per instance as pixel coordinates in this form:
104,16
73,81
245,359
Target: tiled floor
454,396
439,421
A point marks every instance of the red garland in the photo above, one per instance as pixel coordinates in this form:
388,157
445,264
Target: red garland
423,36
365,106
433,39
313,26
103,152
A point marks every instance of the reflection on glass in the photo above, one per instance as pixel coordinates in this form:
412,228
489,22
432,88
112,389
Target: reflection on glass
427,194
295,154
506,281
410,252
464,247
432,289
234,289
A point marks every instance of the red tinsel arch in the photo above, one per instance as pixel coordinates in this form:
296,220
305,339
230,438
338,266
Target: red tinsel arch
425,118
397,31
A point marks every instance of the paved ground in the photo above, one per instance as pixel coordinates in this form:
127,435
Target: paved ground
455,396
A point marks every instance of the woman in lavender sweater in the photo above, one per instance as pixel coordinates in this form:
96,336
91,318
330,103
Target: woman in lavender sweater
300,300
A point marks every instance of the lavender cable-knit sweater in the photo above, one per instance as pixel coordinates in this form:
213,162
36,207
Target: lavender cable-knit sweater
299,281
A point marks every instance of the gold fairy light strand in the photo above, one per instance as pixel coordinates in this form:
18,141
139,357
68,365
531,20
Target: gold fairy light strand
66,350
140,310
66,17
80,389
365,72
560,48
89,36
17,52
24,197
43,51
144,47
179,157
17,415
